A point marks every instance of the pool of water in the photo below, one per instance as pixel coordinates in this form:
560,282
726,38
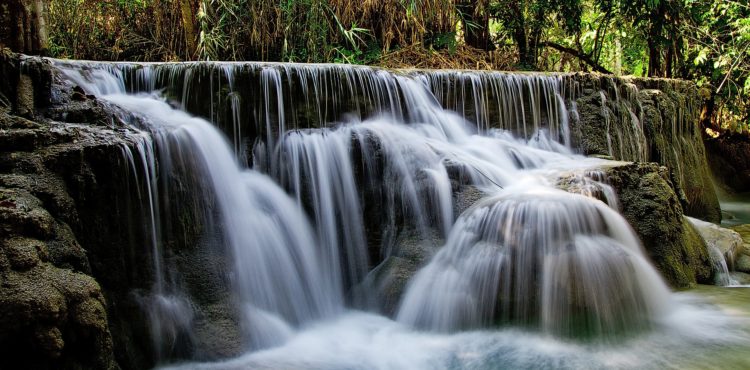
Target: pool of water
709,328
735,209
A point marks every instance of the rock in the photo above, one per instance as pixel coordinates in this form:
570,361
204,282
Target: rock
52,315
464,196
649,203
744,232
727,241
634,119
24,253
53,318
740,277
385,285
22,214
743,264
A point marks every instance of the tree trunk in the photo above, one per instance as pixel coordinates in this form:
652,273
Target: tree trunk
476,23
654,59
23,27
186,9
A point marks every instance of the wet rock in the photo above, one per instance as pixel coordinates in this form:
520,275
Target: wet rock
743,264
657,120
24,253
465,196
52,315
50,319
22,214
740,277
727,241
385,285
744,232
649,203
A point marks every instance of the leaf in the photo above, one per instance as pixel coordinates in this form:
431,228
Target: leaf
702,57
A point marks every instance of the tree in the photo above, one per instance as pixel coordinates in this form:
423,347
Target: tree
23,25
718,34
475,15
527,20
657,22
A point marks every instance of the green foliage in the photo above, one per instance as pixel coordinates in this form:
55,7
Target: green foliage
718,53
707,41
528,22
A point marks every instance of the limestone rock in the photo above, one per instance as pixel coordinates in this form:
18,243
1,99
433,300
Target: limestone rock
743,264
727,241
651,206
385,285
634,119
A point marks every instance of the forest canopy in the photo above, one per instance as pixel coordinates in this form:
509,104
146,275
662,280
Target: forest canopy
707,41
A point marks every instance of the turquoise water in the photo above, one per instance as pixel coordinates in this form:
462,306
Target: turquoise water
735,209
708,329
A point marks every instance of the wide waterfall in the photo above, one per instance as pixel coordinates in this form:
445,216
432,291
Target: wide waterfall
305,181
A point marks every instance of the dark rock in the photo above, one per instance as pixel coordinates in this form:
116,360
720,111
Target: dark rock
651,206
385,285
24,253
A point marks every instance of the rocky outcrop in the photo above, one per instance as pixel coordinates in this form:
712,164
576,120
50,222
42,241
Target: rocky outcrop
649,203
53,312
629,119
652,120
73,196
742,262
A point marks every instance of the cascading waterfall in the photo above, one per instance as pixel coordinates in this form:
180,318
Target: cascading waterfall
343,158
542,257
277,271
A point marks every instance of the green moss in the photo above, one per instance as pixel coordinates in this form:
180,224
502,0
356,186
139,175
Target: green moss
651,206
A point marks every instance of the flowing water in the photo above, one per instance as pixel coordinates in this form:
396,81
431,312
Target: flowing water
305,201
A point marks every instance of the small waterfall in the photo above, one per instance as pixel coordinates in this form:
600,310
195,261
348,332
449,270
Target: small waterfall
277,267
541,257
723,277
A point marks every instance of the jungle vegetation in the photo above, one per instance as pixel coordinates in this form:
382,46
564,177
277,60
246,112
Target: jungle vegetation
707,41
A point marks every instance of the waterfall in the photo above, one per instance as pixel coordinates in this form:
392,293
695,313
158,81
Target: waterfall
278,272
326,164
537,256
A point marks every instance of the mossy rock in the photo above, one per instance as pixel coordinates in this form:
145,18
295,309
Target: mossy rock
649,203
386,284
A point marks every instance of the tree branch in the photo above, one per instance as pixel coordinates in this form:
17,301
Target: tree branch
583,57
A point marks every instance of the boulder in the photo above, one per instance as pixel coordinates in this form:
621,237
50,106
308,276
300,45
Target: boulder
385,285
727,241
650,204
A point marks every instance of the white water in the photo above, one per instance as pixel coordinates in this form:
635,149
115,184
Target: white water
546,265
